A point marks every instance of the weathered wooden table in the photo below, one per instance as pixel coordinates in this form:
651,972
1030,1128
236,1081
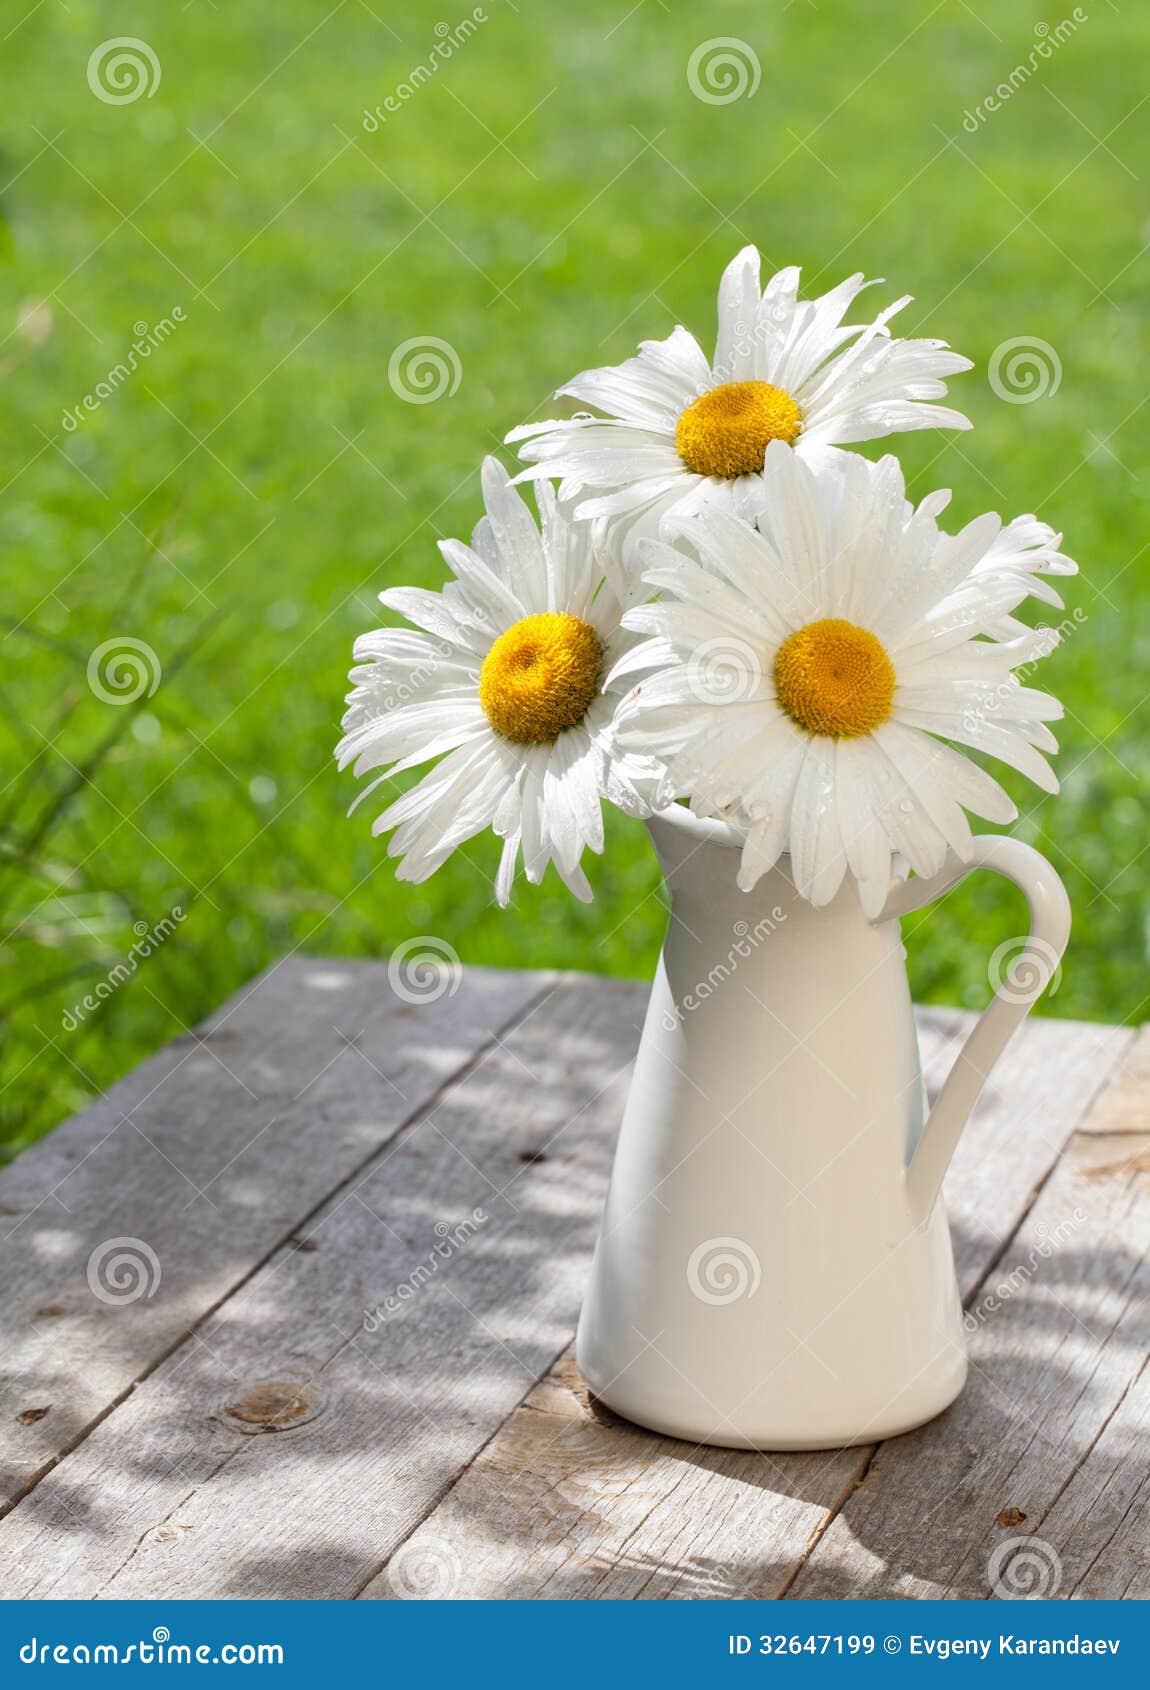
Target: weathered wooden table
195,1405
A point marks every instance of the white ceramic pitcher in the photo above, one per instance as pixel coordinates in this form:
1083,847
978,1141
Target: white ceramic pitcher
774,1267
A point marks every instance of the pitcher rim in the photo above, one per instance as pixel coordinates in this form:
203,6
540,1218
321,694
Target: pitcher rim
703,830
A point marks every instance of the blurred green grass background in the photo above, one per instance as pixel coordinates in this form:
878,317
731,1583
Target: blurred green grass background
552,194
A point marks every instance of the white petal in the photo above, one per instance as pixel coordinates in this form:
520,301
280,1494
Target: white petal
864,840
516,537
740,295
505,878
817,855
898,811
919,761
1007,745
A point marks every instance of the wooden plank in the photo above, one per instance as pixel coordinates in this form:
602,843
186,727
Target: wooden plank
1047,1081
1124,1107
170,1488
1100,1523
503,1177
569,1501
1049,1439
203,1160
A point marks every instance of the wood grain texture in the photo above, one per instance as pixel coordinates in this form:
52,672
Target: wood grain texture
1124,1106
1100,1522
1049,1077
325,1153
204,1159
484,1209
571,1502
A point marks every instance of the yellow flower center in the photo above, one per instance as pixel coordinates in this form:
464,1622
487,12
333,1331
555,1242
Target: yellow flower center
727,431
835,679
539,677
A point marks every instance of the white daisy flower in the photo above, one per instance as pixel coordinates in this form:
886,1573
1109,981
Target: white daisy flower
817,658
1024,551
682,431
506,681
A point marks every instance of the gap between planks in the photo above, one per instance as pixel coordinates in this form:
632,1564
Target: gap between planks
499,1076
147,1504
539,985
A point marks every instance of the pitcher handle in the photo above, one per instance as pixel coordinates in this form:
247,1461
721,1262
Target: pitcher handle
1028,977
